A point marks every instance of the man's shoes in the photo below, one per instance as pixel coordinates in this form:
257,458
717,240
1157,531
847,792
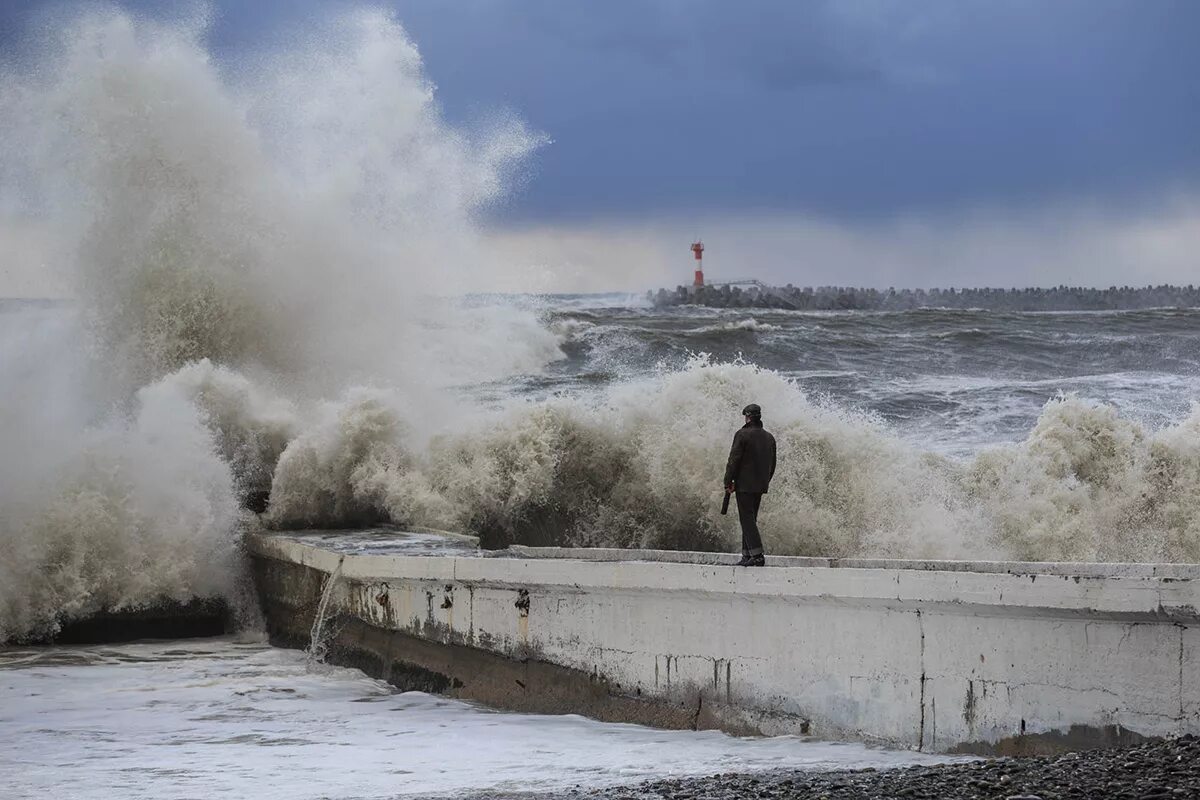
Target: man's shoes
753,561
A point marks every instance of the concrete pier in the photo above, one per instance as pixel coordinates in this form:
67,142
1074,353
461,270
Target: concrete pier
977,657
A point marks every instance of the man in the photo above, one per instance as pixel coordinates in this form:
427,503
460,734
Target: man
748,473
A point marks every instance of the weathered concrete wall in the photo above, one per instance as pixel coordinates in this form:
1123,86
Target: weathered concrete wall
939,656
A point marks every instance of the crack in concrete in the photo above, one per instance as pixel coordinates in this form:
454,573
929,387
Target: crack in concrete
1064,687
1126,635
921,733
1182,628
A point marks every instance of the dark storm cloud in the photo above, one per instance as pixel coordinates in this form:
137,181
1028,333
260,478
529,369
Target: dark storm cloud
855,109
850,109
792,44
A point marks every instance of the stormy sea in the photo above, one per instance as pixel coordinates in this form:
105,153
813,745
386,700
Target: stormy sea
261,275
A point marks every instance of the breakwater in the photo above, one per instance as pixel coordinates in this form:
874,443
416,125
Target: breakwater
754,294
937,656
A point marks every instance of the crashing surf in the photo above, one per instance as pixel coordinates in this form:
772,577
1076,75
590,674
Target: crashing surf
260,274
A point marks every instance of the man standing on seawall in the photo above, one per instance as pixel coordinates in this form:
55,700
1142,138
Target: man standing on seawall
748,473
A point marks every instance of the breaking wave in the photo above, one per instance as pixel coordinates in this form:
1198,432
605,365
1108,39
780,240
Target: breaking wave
304,225
261,272
749,324
643,469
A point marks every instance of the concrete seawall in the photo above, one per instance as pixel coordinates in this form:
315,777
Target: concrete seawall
937,656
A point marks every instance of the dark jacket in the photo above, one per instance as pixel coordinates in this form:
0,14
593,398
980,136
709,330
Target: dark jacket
751,459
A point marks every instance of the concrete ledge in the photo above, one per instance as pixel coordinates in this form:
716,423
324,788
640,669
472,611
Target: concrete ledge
1133,593
1069,568
993,657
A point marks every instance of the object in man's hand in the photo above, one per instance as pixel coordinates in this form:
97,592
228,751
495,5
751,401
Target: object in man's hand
725,504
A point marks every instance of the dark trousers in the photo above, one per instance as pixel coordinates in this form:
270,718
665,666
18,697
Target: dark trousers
748,503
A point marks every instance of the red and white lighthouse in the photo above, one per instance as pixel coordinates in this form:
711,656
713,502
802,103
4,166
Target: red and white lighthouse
698,251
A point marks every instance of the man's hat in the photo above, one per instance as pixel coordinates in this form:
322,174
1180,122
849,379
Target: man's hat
752,410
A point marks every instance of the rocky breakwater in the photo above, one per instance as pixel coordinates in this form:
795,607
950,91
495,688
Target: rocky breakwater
753,294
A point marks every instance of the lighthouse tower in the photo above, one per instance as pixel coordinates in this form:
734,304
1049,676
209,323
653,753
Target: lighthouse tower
698,251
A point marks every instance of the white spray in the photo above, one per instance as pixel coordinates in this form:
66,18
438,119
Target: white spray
301,226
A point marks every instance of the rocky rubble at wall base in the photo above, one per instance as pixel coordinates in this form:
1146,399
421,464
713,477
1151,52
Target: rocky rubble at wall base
1156,771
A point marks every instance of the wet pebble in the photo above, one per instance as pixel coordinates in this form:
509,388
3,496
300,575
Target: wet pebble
1152,771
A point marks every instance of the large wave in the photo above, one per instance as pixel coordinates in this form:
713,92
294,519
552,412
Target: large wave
643,469
261,270
304,224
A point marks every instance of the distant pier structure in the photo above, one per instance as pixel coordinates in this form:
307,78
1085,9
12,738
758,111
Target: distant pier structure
751,293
